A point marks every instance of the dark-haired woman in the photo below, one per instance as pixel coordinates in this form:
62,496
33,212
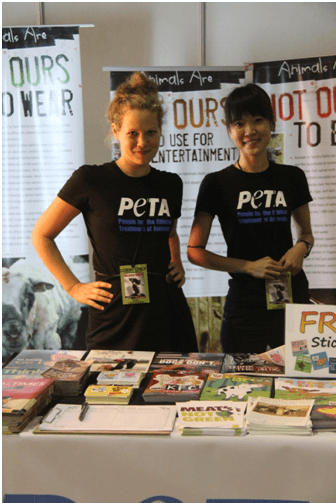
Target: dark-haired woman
254,200
130,211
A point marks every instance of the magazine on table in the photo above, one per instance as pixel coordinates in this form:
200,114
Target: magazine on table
275,416
236,388
323,391
211,418
105,360
270,363
324,417
174,386
193,362
31,363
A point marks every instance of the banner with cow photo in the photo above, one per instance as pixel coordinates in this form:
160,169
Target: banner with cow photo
42,144
194,142
303,93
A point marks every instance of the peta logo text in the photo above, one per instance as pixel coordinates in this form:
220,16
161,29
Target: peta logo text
139,206
270,199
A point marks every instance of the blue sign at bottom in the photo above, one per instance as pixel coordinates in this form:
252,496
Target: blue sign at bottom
169,499
50,498
35,498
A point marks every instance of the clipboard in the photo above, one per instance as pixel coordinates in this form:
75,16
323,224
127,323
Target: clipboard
109,420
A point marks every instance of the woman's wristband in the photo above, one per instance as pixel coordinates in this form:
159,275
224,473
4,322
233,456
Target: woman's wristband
309,246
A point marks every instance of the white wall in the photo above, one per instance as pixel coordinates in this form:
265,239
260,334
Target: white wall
250,32
167,34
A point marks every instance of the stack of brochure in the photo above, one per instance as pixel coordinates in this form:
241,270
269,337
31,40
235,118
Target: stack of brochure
174,386
271,416
108,394
22,400
323,391
31,363
130,377
197,418
108,360
324,417
70,376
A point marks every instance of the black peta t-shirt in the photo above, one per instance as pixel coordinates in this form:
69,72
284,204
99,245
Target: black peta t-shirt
254,209
127,218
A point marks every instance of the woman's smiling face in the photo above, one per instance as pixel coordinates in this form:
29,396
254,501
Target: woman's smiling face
251,134
139,137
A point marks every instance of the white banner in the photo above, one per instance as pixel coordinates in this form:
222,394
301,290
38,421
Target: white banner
303,93
194,142
43,142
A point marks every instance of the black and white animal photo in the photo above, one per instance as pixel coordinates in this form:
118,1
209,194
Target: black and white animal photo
37,313
238,391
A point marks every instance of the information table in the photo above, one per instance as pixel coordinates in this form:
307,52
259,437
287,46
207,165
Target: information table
171,469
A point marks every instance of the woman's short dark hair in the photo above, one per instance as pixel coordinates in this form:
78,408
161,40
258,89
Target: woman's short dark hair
250,99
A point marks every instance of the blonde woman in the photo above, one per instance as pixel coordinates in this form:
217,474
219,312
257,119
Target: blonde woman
130,210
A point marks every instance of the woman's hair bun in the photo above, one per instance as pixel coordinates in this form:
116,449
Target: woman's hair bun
138,92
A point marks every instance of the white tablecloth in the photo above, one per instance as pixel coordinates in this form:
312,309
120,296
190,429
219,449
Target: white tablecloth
139,469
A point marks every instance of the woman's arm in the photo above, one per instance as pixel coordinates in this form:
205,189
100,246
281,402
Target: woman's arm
198,255
48,227
176,270
293,259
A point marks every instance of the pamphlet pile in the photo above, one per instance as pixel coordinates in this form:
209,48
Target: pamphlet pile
270,363
211,418
208,384
70,376
271,416
108,394
31,363
324,417
22,400
130,377
192,362
322,390
174,386
106,360
236,388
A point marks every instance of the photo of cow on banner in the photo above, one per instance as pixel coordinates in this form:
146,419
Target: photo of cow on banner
43,143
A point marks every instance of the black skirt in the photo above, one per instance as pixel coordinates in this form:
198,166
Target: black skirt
164,324
247,325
